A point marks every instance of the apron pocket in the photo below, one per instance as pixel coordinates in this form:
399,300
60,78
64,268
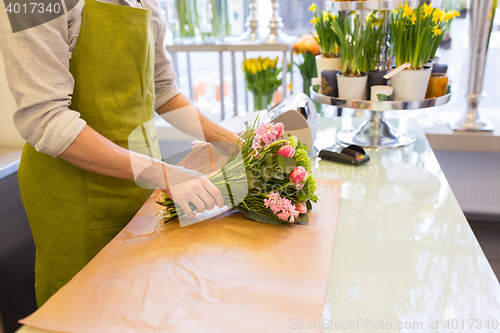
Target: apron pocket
113,202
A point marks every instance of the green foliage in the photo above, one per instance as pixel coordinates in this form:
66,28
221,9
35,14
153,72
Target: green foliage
352,41
302,159
417,33
373,37
326,38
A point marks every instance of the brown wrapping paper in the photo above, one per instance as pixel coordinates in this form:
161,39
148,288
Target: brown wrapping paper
225,274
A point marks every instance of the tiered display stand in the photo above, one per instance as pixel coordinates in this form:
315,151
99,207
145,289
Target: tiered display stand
375,132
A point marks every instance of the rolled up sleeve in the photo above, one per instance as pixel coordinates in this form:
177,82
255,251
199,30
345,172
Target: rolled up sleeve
165,84
37,67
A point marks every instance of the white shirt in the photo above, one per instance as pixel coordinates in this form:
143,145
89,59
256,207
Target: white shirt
37,67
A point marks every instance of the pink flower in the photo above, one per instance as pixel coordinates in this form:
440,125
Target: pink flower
281,130
266,134
287,151
281,207
301,208
298,175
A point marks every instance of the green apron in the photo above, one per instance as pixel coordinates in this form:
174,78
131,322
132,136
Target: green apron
74,213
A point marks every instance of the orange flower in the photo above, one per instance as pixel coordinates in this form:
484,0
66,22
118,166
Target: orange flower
306,44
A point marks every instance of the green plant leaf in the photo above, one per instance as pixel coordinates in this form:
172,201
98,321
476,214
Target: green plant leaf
290,164
278,174
302,195
280,161
382,97
259,217
309,205
266,173
250,179
269,159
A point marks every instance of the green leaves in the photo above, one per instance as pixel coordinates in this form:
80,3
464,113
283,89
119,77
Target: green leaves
269,168
382,97
290,164
326,38
268,158
250,179
281,162
412,37
352,42
373,37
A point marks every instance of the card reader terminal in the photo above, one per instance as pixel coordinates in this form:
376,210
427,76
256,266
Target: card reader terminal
350,155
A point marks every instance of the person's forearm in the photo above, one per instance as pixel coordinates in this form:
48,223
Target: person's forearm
93,152
186,121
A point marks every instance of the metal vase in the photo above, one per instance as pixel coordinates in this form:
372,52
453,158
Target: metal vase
252,24
482,13
275,25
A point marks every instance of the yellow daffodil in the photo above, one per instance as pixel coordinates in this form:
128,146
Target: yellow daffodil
314,20
456,14
400,5
290,86
407,11
413,19
265,64
275,62
437,15
313,7
436,31
395,11
427,10
448,16
253,68
325,16
258,65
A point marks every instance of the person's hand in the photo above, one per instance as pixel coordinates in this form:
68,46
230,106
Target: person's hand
185,186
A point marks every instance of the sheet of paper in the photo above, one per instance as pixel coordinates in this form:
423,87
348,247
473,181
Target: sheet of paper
225,274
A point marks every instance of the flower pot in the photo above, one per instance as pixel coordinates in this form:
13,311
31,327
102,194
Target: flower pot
411,84
352,87
375,78
435,60
440,68
262,101
329,85
324,63
381,93
429,63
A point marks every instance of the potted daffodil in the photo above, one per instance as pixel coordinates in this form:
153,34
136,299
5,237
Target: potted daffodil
374,36
414,33
329,58
352,40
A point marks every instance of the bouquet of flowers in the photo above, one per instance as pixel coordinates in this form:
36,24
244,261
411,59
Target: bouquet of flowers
279,184
261,75
309,48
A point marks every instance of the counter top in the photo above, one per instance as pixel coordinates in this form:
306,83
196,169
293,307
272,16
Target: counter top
404,257
9,161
